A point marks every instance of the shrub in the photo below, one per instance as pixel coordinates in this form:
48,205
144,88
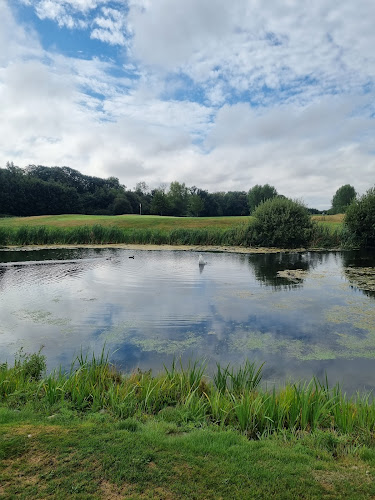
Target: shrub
360,219
281,222
31,365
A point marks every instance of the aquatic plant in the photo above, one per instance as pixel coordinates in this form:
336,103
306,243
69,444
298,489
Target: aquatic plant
245,234
234,398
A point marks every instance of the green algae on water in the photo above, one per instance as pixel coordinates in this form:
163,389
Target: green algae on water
361,277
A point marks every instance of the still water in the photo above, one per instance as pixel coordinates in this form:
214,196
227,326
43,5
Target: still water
159,305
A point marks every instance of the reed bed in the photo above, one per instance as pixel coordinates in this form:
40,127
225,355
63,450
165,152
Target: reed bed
238,235
231,398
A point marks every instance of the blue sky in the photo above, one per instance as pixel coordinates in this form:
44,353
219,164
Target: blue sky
221,95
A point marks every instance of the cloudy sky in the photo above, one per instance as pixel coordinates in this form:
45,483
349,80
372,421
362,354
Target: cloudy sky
222,95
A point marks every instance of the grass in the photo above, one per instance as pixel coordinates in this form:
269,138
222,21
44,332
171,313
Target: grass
232,398
125,221
127,229
98,457
95,433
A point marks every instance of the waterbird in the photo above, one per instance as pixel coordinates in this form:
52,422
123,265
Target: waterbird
131,256
201,261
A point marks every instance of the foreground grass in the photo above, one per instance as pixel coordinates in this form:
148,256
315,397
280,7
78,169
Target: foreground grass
99,457
95,433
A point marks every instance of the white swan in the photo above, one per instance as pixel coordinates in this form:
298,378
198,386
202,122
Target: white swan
201,261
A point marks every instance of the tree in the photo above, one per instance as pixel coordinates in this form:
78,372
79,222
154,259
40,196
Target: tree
343,198
121,205
196,205
360,219
178,198
281,222
160,202
142,188
258,194
235,203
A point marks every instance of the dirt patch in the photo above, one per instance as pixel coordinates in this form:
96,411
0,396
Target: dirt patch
356,475
32,431
110,491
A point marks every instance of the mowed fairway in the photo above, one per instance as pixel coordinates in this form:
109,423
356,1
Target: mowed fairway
125,221
146,221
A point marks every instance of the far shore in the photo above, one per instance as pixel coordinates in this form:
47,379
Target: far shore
186,248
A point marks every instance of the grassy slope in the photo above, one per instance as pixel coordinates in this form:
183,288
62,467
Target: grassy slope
145,221
98,457
124,221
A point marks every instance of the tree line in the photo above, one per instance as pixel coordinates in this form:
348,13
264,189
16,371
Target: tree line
41,190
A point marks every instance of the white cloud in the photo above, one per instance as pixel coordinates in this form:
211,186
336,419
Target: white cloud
66,13
311,134
250,44
111,27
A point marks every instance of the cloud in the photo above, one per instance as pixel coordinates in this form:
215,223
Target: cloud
66,13
255,44
111,27
204,92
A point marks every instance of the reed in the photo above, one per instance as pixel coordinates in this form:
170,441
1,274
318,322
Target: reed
324,236
238,235
97,234
233,398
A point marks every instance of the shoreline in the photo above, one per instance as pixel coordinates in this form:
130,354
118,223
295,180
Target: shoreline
186,248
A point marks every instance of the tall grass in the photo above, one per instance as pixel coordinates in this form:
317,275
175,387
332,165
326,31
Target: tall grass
232,398
238,235
97,234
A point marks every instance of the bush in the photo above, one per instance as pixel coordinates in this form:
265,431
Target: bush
281,222
32,366
360,219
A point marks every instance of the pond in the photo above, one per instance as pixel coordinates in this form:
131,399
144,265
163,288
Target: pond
303,314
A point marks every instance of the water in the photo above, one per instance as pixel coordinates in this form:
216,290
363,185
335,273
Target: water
161,304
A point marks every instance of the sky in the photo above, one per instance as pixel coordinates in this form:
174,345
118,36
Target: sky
216,94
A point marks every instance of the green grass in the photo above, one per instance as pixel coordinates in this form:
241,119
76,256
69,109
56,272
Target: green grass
146,221
98,234
98,457
125,221
232,398
146,230
93,432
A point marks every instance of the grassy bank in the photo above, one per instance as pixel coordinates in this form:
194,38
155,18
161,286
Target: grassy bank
230,398
80,229
98,457
95,433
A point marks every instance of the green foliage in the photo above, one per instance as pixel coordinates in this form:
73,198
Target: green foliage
281,222
184,395
30,365
327,237
259,194
360,219
178,198
246,377
342,199
160,204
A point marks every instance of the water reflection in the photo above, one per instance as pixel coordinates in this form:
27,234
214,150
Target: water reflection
271,269
161,304
359,270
